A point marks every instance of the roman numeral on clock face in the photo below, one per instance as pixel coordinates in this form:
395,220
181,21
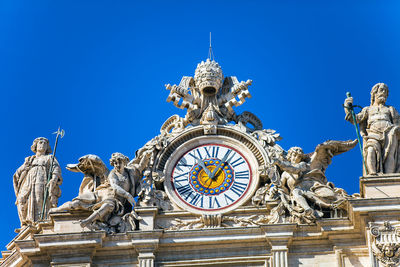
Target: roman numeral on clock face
182,164
184,190
196,154
228,199
213,202
237,162
211,151
242,174
197,200
238,188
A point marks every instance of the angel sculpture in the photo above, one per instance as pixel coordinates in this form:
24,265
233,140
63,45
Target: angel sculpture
303,186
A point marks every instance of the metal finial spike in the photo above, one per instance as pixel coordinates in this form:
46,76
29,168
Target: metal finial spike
210,52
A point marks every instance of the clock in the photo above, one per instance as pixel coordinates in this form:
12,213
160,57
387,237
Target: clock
211,174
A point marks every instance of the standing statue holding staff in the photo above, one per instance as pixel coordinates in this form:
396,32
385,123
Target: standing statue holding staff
31,180
380,129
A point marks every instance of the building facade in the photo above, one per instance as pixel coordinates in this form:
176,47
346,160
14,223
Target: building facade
214,188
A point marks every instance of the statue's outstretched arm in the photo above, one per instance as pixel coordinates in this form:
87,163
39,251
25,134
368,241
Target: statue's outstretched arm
291,168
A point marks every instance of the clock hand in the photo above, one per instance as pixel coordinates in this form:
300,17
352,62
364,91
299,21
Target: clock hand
201,163
208,187
219,165
208,180
211,180
217,173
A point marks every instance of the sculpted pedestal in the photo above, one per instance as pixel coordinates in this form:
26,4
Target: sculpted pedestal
382,186
148,215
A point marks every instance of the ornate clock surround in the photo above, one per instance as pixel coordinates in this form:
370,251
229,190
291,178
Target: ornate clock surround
193,137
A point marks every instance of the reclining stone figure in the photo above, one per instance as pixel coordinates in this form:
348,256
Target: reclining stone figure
110,201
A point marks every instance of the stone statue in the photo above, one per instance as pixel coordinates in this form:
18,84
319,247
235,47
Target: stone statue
110,196
30,181
119,190
380,129
302,186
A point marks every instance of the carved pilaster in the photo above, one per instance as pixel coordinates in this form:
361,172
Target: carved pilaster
279,237
280,256
338,256
146,244
146,259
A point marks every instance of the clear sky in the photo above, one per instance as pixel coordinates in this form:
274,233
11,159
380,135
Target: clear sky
98,70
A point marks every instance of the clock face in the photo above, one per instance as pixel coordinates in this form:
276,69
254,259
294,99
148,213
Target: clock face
211,178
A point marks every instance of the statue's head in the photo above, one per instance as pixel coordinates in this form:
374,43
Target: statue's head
208,77
379,92
41,144
119,161
295,154
389,249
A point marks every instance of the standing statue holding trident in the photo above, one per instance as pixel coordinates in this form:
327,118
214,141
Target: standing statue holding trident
40,173
380,129
51,184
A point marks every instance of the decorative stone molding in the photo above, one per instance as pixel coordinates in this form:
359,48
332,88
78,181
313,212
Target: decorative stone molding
385,244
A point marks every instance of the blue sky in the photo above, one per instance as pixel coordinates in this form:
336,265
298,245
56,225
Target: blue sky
98,69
